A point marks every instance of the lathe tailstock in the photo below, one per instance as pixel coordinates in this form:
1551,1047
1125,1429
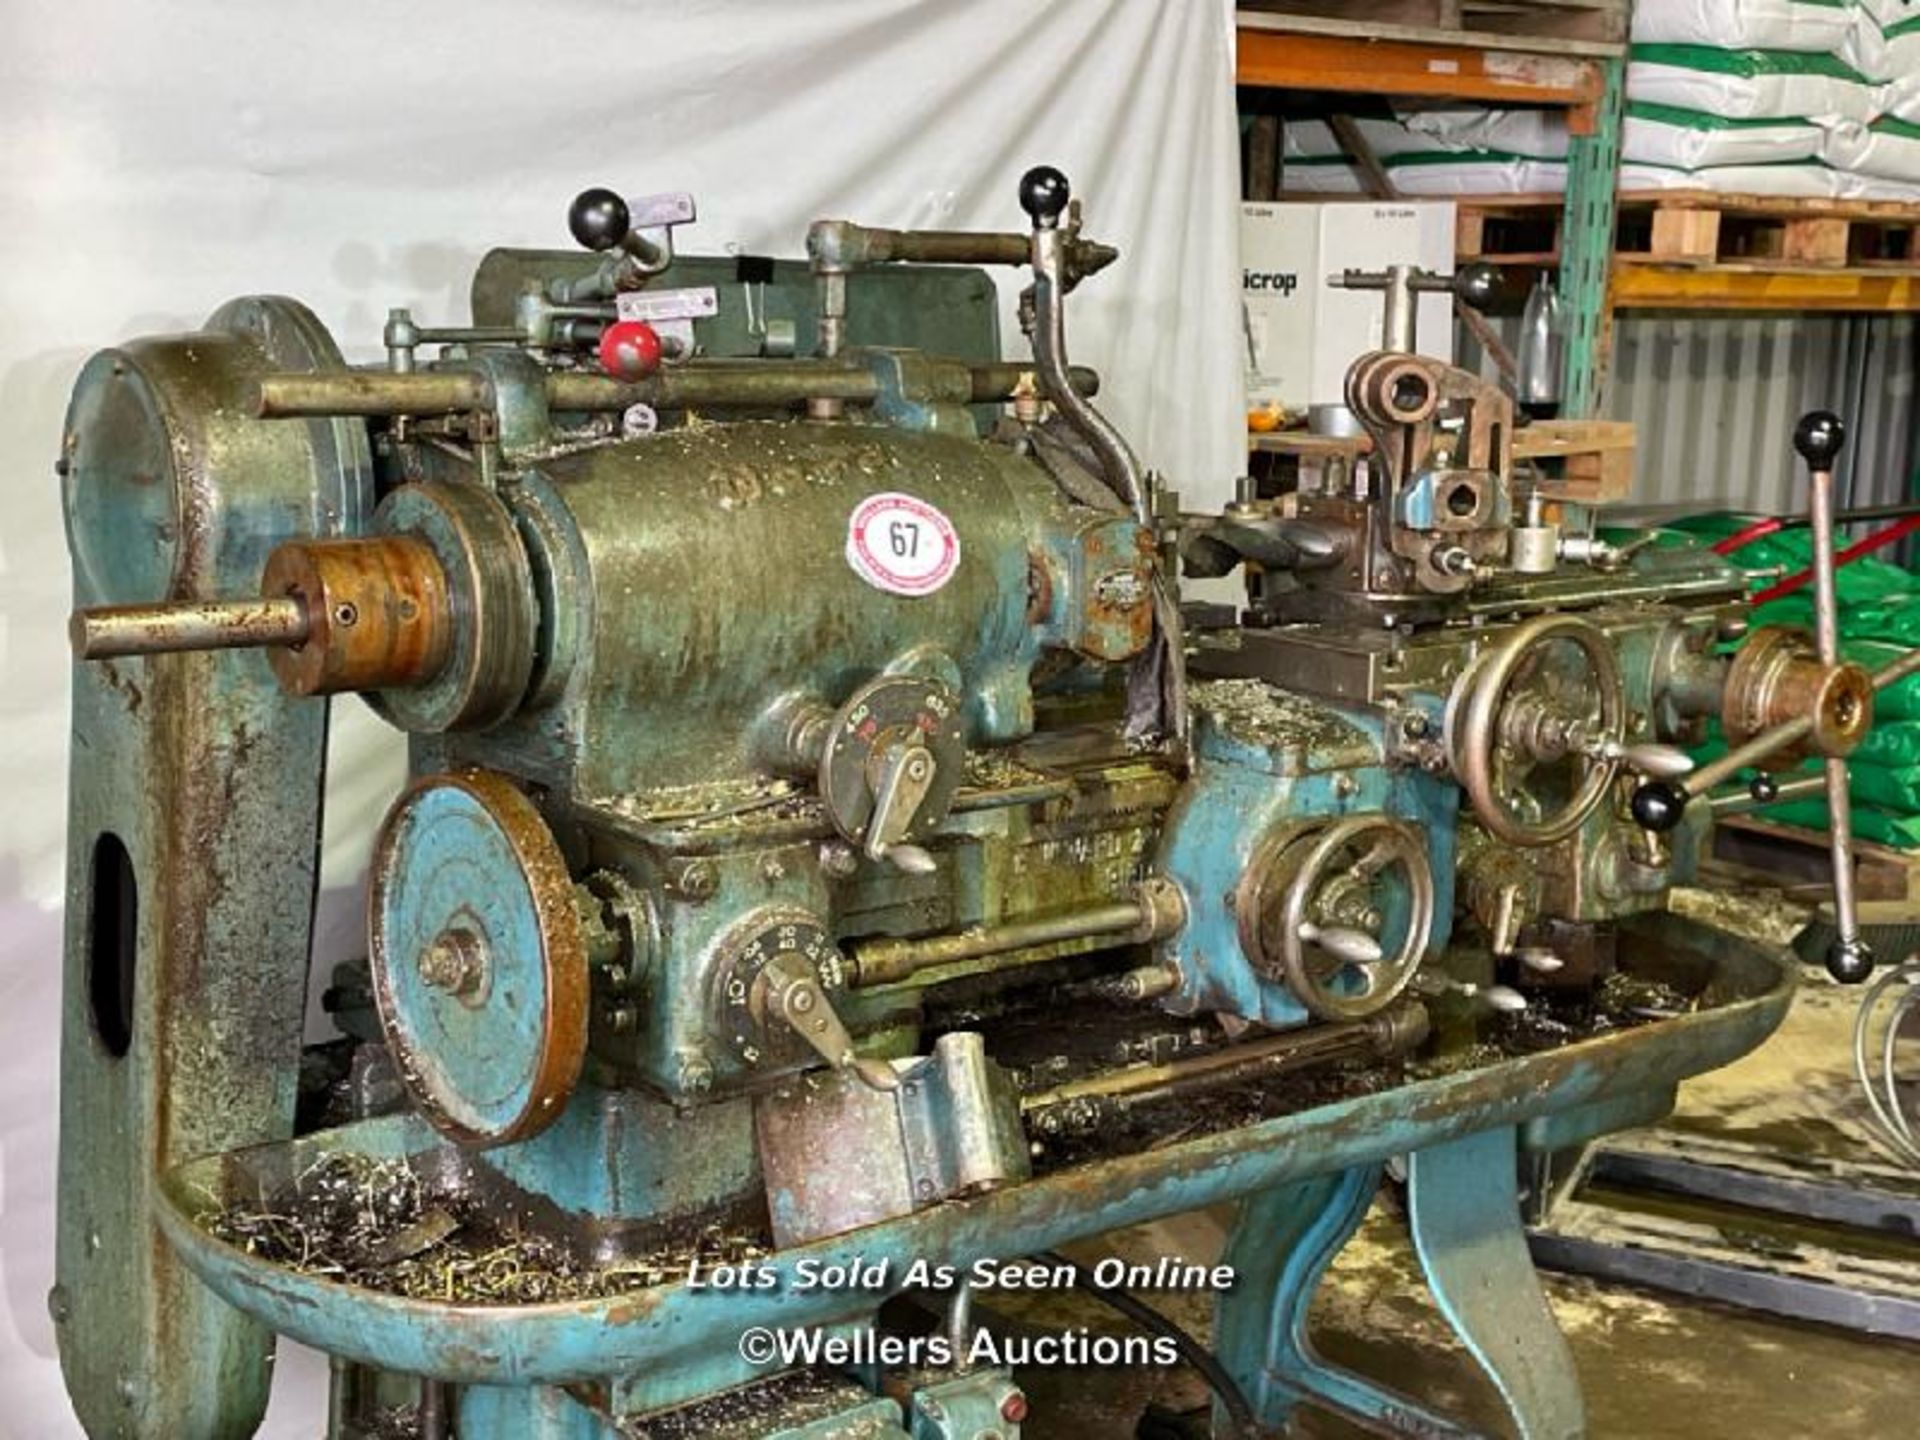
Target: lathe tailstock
834,865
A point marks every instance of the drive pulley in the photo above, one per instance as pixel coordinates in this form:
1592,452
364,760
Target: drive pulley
479,958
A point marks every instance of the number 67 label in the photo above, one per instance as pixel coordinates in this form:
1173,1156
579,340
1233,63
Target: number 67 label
901,544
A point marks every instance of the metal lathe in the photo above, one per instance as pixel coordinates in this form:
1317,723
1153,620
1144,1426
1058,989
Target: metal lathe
832,844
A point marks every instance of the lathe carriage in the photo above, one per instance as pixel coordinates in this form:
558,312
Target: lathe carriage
831,841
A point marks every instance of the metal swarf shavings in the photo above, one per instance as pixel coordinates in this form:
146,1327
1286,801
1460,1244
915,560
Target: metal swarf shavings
378,1225
1259,714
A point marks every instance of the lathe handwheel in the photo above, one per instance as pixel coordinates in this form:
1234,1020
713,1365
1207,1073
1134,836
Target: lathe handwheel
1476,725
1309,887
478,956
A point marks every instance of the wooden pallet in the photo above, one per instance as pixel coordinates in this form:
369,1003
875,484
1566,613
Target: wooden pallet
1592,26
1597,455
1699,228
1796,859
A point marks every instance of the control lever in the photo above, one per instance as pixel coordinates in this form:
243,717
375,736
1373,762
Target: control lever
1818,437
1644,757
601,220
1474,284
1659,804
795,999
906,777
1157,685
1349,947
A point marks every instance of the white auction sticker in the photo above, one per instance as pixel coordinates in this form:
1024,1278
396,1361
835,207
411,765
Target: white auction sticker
901,544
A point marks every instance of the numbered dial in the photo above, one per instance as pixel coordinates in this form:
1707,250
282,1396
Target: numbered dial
892,761
777,981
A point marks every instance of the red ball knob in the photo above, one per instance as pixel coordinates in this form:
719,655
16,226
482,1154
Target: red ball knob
630,350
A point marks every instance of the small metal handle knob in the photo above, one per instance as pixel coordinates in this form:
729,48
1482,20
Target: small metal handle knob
1477,284
1849,961
599,218
1819,437
1044,193
1658,806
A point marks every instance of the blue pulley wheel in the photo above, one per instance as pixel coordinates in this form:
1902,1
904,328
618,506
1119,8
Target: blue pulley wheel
479,961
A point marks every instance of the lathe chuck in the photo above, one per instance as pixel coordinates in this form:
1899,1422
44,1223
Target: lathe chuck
479,960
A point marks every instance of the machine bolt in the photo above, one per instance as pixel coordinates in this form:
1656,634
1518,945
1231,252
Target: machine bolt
1345,787
697,881
1415,725
696,1075
838,860
1014,1408
622,1018
456,962
923,1188
932,1409
58,1305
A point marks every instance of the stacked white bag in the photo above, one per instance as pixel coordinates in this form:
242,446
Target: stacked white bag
1769,97
1885,46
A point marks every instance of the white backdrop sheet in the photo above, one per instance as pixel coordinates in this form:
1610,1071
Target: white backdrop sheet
159,159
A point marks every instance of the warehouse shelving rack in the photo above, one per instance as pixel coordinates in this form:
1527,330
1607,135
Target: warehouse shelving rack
1570,54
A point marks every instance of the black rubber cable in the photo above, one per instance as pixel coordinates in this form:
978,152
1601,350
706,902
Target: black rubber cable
1239,1412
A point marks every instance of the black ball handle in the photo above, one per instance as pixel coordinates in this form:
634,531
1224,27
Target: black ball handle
1044,193
599,218
1850,961
1658,805
1819,437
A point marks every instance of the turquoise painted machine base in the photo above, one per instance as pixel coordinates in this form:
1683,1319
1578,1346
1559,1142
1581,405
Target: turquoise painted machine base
1306,1179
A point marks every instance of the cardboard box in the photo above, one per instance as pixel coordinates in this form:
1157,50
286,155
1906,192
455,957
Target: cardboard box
1301,332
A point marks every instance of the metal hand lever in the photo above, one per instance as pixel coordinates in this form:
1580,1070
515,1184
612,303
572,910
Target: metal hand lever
1646,757
601,220
1157,687
906,775
802,1006
1350,947
1658,805
1474,284
1818,438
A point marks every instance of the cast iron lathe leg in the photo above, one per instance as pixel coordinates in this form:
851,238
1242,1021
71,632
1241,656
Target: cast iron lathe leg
1465,1219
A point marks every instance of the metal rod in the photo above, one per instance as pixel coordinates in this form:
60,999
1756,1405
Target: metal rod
881,962
1826,631
107,632
362,392
718,382
1739,802
1392,1031
751,383
947,247
998,382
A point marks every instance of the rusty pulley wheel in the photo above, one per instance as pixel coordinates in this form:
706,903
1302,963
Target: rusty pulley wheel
479,958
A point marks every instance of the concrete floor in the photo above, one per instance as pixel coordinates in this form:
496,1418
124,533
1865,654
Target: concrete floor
1652,1366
